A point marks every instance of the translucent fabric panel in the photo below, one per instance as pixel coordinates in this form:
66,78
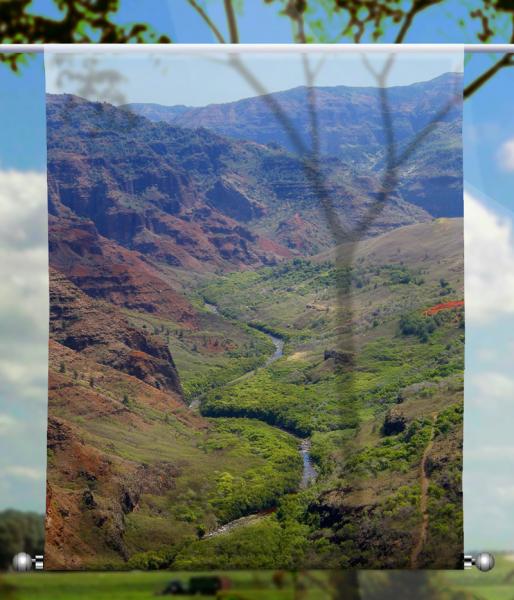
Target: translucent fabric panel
257,309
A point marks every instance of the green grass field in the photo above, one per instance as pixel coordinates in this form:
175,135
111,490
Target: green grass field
138,586
253,585
498,584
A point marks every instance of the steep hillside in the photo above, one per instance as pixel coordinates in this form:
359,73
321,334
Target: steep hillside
350,119
351,126
198,200
98,330
136,478
134,474
105,270
131,468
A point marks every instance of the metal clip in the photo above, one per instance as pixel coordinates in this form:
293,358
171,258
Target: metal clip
483,561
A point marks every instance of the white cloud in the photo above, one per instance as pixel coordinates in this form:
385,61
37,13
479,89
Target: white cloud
490,355
489,386
24,338
506,155
22,196
24,472
8,424
24,282
492,386
505,492
490,453
489,263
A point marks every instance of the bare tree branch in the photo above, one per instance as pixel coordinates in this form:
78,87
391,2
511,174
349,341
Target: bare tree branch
210,23
507,60
406,25
232,22
302,39
417,7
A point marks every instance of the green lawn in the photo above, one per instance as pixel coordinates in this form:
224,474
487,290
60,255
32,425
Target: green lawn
245,585
497,584
137,585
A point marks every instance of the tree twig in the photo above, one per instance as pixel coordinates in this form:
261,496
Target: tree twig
232,23
209,22
505,61
417,7
400,36
302,38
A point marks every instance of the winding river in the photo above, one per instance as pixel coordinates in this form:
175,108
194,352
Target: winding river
308,473
279,349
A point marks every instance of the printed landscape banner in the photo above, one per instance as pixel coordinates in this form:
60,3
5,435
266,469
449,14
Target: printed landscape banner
256,310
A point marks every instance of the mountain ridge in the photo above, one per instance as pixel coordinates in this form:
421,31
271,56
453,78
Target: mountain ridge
351,126
201,201
181,108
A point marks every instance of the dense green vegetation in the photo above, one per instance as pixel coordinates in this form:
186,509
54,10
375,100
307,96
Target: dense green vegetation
400,357
183,431
368,388
423,326
450,419
268,397
444,495
268,544
309,395
256,488
395,453
208,472
237,467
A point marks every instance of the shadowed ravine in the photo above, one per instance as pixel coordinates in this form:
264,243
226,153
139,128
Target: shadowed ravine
308,474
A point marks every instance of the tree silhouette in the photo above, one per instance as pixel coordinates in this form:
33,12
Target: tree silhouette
342,584
82,21
377,20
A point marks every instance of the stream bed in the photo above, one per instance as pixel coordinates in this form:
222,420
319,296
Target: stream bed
309,472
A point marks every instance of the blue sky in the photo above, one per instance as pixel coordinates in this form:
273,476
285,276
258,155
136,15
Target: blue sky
24,296
23,117
489,392
260,22
489,128
489,381
199,80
